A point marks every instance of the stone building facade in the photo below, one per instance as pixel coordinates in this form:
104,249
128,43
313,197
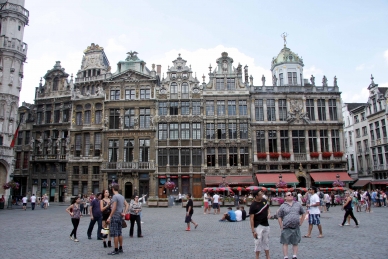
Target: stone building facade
13,54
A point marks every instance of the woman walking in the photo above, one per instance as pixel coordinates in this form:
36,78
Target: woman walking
45,201
134,210
87,204
75,214
348,209
106,210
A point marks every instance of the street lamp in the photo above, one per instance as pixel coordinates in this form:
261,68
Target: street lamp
10,193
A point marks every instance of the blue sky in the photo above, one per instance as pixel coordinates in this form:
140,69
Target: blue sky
347,39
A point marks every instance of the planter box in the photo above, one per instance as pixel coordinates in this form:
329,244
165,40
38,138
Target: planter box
228,203
162,203
197,203
152,203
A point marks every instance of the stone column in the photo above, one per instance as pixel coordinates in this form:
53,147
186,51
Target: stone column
316,109
327,110
329,141
279,147
266,140
290,141
318,141
307,141
277,109
341,140
265,109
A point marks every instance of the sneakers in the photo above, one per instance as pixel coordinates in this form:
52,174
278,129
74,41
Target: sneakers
76,240
347,224
114,252
187,229
121,251
72,238
89,237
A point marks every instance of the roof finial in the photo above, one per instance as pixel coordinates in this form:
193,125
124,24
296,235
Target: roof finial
210,68
371,78
284,36
203,77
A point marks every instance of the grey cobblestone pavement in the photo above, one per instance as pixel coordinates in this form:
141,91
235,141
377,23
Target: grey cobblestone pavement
45,234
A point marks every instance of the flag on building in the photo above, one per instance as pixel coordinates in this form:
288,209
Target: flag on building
15,135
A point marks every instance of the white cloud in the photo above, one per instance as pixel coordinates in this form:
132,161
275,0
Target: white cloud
316,72
201,58
352,96
386,55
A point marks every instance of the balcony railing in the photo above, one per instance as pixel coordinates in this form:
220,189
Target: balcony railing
15,8
300,157
130,165
49,157
14,44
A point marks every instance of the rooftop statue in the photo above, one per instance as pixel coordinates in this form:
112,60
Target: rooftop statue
324,81
312,79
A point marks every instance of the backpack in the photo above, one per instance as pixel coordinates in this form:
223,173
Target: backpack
320,195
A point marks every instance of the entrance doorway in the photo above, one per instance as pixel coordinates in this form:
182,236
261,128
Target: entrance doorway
302,181
143,187
128,190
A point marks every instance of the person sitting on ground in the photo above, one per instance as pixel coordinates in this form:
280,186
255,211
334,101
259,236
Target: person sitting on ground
244,213
229,216
238,213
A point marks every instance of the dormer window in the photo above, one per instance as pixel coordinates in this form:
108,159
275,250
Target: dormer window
185,76
55,84
173,76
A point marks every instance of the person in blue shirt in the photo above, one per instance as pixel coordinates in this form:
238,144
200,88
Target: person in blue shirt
229,216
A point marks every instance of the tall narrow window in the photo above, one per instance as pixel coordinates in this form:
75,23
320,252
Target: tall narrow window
196,131
185,130
383,129
57,116
242,108
372,133
335,141
185,90
243,130
162,131
211,157
174,131
86,144
162,157
114,118
232,108
174,157
129,118
220,84
210,108
244,156
162,108
282,109
272,141
144,118
26,159
78,118
231,84
185,157
281,80
174,90
313,141
113,150
78,146
220,108
310,109
222,156
350,138
18,160
232,130
173,108
87,116
55,84
377,130
333,109
185,110
130,94
284,141
233,155
144,150
196,108
321,109
128,150
260,141
145,94
210,131
259,110
324,140
97,144
298,141
271,114
196,156
115,94
221,131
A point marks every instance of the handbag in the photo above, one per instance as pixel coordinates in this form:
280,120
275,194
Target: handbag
123,224
127,216
105,232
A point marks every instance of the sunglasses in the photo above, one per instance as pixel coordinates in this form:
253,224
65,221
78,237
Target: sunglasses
288,195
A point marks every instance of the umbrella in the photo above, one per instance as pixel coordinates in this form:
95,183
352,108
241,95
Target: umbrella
255,188
280,189
303,189
237,189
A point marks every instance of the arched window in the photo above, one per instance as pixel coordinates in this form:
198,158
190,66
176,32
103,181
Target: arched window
55,84
98,114
174,88
87,114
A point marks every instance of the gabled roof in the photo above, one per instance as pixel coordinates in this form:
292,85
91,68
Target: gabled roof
352,106
382,90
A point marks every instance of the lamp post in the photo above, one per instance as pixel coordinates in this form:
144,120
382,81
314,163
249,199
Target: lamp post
9,206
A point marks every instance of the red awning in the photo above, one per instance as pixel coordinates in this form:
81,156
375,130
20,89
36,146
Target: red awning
173,176
361,183
273,179
161,176
379,182
231,180
329,177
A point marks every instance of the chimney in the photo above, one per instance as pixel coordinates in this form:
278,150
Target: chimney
159,70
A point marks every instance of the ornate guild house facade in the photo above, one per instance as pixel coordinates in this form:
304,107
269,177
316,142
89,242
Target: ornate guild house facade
140,129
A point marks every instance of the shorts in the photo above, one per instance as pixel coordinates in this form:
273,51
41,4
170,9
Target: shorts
215,206
115,227
262,241
314,219
188,218
290,236
206,204
227,217
105,216
24,204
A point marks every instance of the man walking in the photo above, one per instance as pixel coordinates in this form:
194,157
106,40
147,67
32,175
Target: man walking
259,214
189,212
24,200
33,201
314,213
95,216
216,197
289,217
115,219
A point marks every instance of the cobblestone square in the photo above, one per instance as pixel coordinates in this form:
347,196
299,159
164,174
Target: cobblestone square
45,234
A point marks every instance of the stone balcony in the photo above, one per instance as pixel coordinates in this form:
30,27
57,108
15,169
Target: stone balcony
15,8
129,165
48,157
13,44
296,89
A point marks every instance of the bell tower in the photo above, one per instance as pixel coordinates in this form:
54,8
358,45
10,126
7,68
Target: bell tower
13,53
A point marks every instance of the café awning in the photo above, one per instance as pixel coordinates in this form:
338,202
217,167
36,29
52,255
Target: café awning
379,182
273,179
361,183
330,177
230,179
